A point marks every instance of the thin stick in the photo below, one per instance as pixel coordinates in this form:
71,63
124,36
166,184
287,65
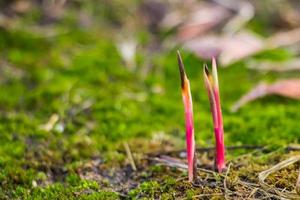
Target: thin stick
264,174
230,148
225,179
129,155
298,184
293,148
252,193
204,195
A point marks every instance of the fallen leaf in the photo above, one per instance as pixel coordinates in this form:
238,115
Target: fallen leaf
201,20
197,24
171,162
245,12
194,19
229,48
239,46
290,65
287,88
290,13
53,10
285,38
152,13
233,47
22,6
6,22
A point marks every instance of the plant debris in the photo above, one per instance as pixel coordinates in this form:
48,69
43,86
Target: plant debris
263,175
243,178
287,88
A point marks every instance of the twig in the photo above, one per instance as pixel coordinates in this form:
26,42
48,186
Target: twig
51,123
208,149
225,179
204,195
248,154
209,195
262,188
245,12
293,148
129,155
209,171
256,188
264,174
298,184
176,163
291,65
252,193
269,195
252,185
171,162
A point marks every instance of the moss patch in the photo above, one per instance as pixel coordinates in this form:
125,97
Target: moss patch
68,102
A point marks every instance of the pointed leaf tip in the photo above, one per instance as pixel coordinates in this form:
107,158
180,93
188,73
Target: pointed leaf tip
206,75
205,70
209,87
181,69
215,73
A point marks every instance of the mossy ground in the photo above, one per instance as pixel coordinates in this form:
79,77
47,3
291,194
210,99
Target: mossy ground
77,76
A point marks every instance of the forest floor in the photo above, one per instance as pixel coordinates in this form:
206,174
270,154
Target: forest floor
76,119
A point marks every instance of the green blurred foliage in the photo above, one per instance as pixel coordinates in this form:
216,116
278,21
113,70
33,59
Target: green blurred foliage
62,74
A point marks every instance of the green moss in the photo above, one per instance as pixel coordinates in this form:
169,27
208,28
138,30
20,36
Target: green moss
147,190
102,195
79,75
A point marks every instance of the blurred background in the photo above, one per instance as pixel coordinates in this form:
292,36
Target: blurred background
79,77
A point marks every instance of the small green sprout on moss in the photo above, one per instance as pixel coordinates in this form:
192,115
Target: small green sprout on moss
189,121
212,86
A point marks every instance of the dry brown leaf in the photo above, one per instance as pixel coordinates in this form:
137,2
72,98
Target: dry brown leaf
197,18
287,88
290,13
285,38
276,66
194,19
152,12
22,6
53,10
244,12
201,20
229,48
205,47
240,46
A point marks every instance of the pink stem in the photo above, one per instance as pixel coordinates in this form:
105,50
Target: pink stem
220,150
219,135
212,86
189,127
189,121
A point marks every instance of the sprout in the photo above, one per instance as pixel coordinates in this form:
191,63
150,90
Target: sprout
212,86
189,121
